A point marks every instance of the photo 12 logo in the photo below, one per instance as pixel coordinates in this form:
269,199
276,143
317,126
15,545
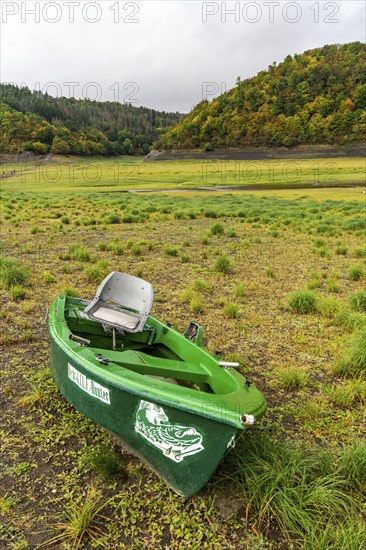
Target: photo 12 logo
121,92
270,12
71,12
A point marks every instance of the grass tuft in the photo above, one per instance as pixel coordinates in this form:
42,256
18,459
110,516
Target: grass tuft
356,273
79,252
223,264
80,521
97,272
171,251
352,462
18,293
358,301
292,378
299,491
302,301
231,311
217,229
34,395
354,359
13,273
199,285
196,303
240,291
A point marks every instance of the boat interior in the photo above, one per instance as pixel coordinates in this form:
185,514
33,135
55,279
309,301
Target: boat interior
118,328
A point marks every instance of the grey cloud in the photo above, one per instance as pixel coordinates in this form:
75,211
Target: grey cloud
169,52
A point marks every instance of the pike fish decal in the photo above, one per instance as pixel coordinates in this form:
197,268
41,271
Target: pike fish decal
175,441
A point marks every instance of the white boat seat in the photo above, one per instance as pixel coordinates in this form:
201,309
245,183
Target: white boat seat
116,317
122,302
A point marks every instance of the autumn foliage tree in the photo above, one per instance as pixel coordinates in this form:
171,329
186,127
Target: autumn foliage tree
313,98
33,121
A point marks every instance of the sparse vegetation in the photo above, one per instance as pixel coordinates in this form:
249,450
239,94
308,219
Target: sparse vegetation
283,477
105,461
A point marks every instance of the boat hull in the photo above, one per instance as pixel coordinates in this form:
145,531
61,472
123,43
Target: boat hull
182,447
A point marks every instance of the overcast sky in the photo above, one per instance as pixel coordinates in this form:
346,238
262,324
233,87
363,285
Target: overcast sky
162,54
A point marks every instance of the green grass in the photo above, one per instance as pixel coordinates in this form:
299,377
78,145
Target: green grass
217,229
341,396
171,174
104,461
343,536
231,311
223,264
12,273
97,272
116,246
359,252
356,272
33,396
342,250
199,285
185,258
240,291
171,251
196,304
81,520
333,286
79,252
353,465
358,301
18,293
114,218
49,278
70,291
354,358
292,378
301,491
302,301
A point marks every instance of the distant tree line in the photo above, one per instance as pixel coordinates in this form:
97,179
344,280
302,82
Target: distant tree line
317,97
33,121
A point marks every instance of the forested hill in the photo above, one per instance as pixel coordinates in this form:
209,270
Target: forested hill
317,97
32,121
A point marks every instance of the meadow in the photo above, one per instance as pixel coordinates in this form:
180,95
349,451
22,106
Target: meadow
277,278
131,173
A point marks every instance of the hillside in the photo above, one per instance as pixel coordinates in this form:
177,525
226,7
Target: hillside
318,97
32,121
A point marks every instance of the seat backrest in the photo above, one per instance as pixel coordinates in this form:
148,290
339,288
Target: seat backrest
126,291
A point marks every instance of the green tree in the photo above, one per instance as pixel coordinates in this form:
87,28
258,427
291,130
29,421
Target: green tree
60,146
36,147
127,147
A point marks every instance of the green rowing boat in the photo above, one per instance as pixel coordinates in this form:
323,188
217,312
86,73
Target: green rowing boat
178,407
